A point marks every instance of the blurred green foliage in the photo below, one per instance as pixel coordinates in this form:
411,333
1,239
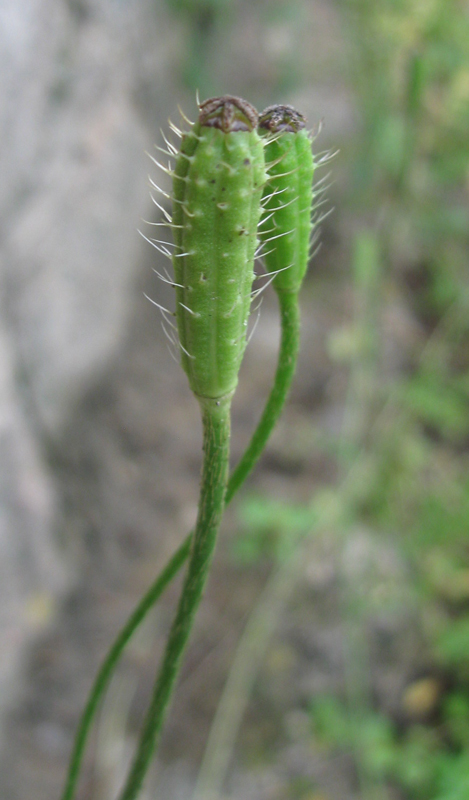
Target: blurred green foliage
415,761
407,418
202,20
207,30
411,77
270,529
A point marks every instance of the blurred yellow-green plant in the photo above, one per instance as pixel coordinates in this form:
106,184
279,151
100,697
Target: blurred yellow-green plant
411,183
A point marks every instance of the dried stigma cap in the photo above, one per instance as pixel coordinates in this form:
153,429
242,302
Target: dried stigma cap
228,114
278,118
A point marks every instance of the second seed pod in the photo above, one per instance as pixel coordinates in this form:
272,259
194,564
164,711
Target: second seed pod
288,194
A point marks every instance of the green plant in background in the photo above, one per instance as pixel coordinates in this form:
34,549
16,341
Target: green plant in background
411,67
217,185
415,761
202,20
207,26
416,494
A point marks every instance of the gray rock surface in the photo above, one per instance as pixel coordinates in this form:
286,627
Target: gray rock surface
71,197
72,193
31,573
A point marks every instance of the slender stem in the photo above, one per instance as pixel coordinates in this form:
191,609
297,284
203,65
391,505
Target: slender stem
287,358
216,427
286,366
112,658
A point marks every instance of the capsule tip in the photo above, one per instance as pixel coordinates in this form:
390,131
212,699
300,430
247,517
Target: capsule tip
278,118
228,113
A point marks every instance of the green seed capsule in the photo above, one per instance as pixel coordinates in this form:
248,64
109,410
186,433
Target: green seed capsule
288,195
217,187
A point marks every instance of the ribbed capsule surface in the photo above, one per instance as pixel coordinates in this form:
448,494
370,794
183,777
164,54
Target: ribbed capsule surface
217,189
288,195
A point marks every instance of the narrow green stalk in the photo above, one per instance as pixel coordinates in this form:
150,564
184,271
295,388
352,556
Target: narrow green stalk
216,444
107,668
287,359
286,366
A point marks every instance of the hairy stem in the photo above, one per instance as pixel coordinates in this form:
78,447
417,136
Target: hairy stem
216,443
113,657
287,359
286,366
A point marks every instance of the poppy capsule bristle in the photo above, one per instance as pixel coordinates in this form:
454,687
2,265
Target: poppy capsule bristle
290,174
218,180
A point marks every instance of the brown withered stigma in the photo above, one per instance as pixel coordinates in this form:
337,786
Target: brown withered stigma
228,114
281,118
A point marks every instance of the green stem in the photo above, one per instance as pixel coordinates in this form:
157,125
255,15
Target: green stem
216,427
288,354
112,658
286,366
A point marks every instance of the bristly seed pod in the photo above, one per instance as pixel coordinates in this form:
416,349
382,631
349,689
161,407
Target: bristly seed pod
288,195
217,187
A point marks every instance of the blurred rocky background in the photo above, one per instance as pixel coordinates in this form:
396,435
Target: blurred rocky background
364,690
71,162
